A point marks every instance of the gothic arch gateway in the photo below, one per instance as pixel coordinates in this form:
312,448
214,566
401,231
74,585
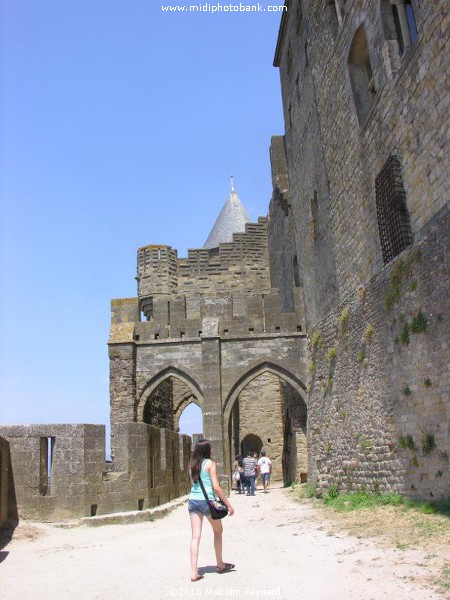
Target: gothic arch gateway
266,410
215,333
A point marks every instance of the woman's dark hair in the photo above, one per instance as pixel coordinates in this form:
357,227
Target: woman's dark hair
201,452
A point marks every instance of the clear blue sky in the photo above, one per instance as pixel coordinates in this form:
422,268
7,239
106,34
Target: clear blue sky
119,127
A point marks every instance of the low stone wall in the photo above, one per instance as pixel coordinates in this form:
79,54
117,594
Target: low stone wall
59,471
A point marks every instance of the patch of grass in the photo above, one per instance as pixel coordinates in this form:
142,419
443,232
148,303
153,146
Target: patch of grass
343,319
398,273
389,516
369,332
332,353
413,286
406,442
360,357
362,292
407,390
331,494
316,338
427,383
428,443
312,367
360,500
419,323
365,444
404,335
305,490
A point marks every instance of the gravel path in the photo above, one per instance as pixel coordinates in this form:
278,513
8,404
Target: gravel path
281,549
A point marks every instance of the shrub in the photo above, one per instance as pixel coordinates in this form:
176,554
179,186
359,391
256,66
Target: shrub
316,337
406,441
428,383
361,356
407,390
368,334
343,319
428,443
419,323
331,494
332,353
404,336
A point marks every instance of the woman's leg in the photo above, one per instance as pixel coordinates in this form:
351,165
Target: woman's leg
196,526
217,529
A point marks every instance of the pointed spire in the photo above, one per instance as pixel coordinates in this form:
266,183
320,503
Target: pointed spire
232,219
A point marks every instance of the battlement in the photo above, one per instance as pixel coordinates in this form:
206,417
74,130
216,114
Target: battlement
242,264
182,316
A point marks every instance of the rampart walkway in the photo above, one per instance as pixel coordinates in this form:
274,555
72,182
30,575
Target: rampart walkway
279,549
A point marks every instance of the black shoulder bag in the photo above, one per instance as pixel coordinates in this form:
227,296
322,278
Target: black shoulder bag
217,507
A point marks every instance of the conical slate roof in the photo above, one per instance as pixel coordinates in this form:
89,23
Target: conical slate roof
232,219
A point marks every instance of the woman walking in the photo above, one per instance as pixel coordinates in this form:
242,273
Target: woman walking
203,466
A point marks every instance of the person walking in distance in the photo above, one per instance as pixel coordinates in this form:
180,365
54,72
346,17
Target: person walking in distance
265,469
202,465
250,473
238,473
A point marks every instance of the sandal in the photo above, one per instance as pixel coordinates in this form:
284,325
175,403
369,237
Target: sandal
227,567
197,578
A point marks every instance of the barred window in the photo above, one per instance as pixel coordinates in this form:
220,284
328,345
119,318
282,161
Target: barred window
393,217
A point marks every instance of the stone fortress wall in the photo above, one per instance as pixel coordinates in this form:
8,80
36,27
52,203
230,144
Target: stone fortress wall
366,132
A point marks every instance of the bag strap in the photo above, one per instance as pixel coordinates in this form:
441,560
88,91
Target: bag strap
203,489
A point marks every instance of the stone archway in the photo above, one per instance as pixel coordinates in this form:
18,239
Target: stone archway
251,443
165,396
269,403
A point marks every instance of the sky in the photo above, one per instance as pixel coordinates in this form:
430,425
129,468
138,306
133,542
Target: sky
120,125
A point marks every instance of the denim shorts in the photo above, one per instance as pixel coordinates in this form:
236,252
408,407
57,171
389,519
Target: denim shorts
199,506
265,476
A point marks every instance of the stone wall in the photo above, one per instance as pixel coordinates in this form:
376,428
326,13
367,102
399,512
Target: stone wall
378,407
379,411
329,151
60,470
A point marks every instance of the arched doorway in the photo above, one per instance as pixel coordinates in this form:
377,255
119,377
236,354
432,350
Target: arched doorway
158,409
251,443
166,396
267,411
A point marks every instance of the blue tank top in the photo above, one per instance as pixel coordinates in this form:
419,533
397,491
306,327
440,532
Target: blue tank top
196,490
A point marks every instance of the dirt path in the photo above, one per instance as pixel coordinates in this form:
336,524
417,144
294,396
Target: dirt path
280,548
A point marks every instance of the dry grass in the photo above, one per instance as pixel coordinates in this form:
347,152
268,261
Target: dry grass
395,526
